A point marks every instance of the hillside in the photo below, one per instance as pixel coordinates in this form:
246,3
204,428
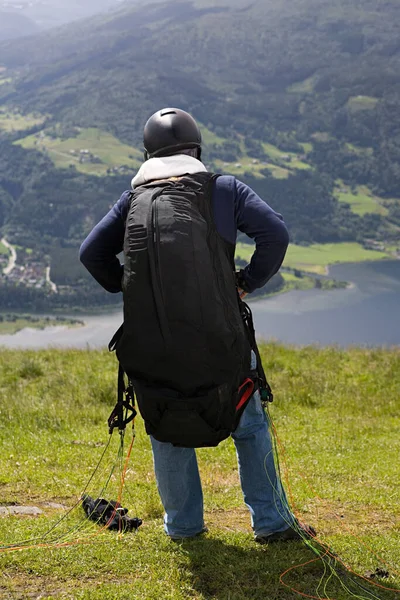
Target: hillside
13,25
252,68
50,13
301,100
339,458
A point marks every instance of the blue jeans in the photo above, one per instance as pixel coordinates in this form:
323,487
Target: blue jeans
179,484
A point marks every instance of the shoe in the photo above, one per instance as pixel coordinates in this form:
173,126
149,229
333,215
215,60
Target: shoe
181,538
299,531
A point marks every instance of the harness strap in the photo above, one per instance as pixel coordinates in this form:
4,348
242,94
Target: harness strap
126,400
246,390
115,339
263,385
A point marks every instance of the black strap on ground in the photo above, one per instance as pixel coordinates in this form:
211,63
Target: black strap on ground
264,387
109,513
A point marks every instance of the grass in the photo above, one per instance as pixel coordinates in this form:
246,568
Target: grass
209,137
362,201
297,283
303,87
247,164
10,324
64,153
337,414
307,146
357,103
360,150
291,158
114,153
12,120
4,250
317,257
321,136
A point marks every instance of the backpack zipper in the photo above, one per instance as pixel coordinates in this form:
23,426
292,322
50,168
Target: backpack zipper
154,262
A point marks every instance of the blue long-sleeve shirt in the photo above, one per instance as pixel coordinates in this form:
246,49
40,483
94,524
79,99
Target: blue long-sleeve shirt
236,207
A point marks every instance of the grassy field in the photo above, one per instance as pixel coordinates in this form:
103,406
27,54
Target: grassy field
357,103
288,162
291,158
209,137
296,283
113,153
10,324
362,201
248,165
3,249
317,257
14,121
337,416
63,153
303,87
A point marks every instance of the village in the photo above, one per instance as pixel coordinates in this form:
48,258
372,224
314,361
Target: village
33,273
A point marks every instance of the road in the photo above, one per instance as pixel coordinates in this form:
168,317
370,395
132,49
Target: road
12,259
51,283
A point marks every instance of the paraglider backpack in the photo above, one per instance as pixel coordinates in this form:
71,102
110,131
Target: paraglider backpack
185,343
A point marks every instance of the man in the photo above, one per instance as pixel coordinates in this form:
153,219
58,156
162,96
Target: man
172,142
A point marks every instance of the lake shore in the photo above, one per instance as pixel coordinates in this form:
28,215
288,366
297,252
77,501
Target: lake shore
10,324
363,314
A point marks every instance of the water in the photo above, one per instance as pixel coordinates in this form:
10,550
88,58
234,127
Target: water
367,314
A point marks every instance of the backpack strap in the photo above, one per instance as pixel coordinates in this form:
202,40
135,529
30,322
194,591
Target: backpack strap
260,378
124,411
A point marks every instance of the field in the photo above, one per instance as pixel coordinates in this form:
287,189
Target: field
93,151
291,158
317,257
357,103
296,283
249,165
280,164
14,121
110,151
303,87
10,324
105,152
3,249
362,200
337,417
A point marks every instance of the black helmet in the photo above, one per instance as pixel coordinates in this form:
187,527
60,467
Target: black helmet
170,130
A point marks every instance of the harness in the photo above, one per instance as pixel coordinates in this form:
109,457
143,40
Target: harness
124,411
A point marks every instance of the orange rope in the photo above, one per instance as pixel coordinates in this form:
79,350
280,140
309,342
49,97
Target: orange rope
89,538
324,546
297,567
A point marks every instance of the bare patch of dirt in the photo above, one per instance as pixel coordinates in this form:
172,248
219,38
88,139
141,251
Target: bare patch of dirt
350,517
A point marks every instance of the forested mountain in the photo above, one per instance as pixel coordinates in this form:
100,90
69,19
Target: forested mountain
13,25
45,14
257,68
305,95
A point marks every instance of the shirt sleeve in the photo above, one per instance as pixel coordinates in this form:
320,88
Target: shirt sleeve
99,252
266,227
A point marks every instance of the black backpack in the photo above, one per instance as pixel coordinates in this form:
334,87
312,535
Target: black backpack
185,343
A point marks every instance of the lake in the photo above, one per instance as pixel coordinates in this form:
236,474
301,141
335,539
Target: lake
367,314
